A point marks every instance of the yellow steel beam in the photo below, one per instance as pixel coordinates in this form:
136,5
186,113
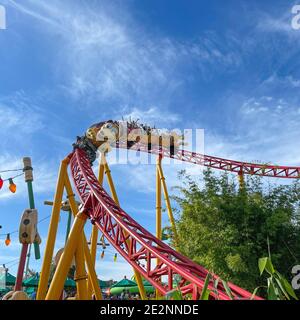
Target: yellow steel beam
90,266
241,180
101,169
158,201
61,272
94,238
80,275
92,273
158,208
168,204
110,182
45,270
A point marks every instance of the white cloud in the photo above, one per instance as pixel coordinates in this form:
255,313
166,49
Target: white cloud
277,20
286,82
273,24
9,162
105,56
19,116
44,176
141,178
27,10
152,116
265,129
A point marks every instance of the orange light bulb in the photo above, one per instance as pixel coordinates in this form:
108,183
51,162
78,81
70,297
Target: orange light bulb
12,186
102,255
7,240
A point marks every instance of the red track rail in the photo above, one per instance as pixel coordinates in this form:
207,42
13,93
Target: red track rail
138,246
238,167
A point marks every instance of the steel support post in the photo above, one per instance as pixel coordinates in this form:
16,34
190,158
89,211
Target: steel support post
61,272
45,271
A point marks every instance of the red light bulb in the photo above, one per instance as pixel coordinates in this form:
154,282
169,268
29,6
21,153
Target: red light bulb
1,182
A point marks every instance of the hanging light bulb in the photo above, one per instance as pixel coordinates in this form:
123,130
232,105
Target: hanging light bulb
115,257
102,254
102,241
7,240
1,182
12,186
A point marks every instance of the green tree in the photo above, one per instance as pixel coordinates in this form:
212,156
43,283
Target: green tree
225,227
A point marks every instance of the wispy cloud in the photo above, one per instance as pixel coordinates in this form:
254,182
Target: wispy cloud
44,176
265,130
278,21
152,116
110,59
270,23
288,82
19,116
42,16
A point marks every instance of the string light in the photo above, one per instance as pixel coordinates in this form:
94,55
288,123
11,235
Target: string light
12,186
13,170
102,241
7,235
7,240
102,254
115,257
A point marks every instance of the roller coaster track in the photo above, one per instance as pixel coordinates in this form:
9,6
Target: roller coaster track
264,170
139,247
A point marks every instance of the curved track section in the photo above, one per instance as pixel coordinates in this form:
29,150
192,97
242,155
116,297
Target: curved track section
138,246
264,170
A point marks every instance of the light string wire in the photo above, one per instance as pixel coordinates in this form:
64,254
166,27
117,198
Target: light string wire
15,231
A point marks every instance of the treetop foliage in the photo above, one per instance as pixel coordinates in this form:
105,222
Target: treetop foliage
227,227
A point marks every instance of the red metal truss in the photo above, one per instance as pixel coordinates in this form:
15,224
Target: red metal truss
238,167
138,246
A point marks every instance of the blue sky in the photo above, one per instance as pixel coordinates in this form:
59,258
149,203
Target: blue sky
230,67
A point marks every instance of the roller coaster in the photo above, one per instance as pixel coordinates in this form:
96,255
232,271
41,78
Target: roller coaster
150,257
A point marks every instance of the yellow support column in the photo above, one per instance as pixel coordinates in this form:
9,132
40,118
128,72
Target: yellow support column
137,275
101,169
241,180
92,273
94,240
45,271
61,272
168,204
158,208
110,182
80,275
93,251
158,200
139,281
87,255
